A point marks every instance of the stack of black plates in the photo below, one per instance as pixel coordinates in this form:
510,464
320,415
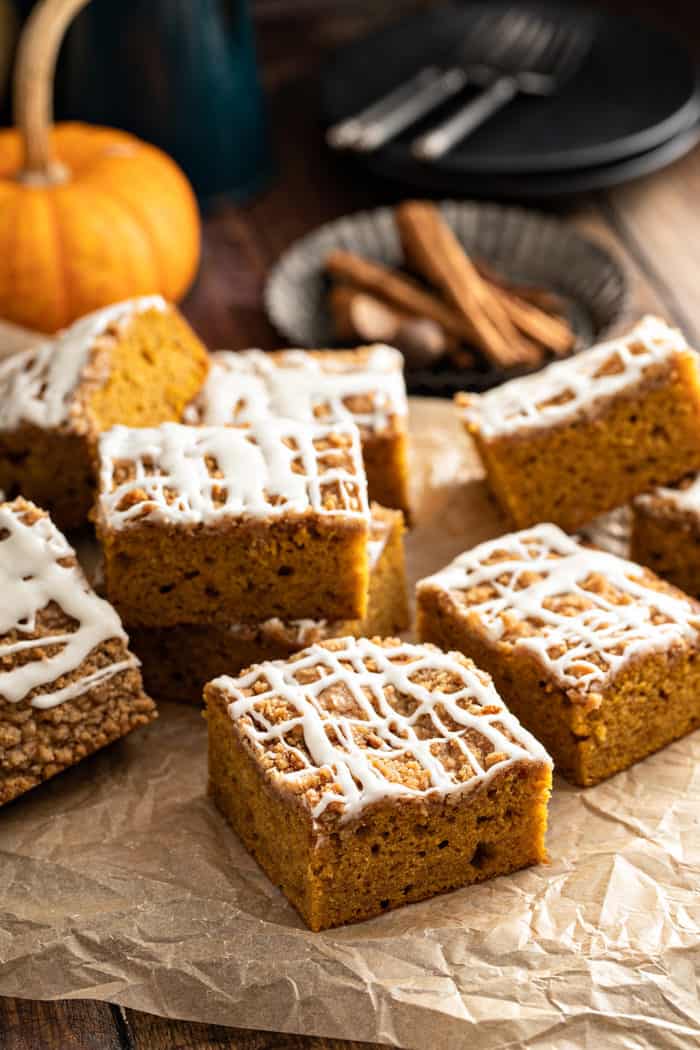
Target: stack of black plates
633,107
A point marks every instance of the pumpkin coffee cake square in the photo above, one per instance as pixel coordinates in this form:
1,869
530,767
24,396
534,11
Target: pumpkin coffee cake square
177,662
366,774
365,386
666,532
68,682
597,656
589,433
233,524
137,363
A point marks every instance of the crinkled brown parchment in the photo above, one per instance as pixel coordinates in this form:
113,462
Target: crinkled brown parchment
119,881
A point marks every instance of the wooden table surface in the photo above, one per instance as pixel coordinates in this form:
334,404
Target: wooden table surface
653,224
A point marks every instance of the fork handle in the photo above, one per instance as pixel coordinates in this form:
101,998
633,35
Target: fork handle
440,140
375,133
346,132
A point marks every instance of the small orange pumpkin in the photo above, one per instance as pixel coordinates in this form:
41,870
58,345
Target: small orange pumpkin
88,215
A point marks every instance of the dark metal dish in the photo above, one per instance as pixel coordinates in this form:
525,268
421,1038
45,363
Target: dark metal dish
524,246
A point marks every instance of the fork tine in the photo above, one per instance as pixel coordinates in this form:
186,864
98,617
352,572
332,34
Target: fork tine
570,54
526,40
482,48
529,43
556,46
518,30
542,41
483,37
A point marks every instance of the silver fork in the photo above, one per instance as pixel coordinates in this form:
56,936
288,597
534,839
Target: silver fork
535,59
503,45
428,88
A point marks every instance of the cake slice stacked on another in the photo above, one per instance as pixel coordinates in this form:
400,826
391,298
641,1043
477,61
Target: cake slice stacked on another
177,662
364,386
234,524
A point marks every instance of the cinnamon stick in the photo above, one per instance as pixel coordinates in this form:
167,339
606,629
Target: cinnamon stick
433,250
527,309
399,290
554,333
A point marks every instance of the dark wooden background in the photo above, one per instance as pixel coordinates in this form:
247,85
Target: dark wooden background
654,225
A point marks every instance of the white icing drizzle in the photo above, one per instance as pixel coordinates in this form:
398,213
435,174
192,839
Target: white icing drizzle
293,383
31,578
38,385
235,390
684,498
567,388
379,532
584,642
377,681
172,481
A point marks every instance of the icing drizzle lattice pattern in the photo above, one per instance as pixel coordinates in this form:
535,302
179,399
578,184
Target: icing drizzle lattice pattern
183,474
584,613
567,388
349,722
37,568
39,385
365,386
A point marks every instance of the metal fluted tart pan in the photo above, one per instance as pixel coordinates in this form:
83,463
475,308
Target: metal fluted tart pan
526,247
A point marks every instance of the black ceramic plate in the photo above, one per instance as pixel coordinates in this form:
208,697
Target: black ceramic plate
637,88
524,245
537,187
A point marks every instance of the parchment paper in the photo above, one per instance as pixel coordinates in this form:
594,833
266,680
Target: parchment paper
120,881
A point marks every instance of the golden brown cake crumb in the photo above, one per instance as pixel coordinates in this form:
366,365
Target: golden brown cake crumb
365,774
137,363
666,533
597,656
589,433
233,524
178,661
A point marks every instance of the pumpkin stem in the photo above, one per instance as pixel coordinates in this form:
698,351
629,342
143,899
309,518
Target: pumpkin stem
33,86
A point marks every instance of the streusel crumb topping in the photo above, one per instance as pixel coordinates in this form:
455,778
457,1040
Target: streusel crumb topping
573,387
683,497
182,474
51,621
348,722
583,612
364,386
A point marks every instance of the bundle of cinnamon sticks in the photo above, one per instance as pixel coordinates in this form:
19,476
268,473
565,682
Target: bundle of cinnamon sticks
458,307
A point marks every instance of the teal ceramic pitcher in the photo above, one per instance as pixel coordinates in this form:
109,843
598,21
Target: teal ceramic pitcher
179,73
